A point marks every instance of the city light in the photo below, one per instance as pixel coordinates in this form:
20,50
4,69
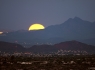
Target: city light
1,32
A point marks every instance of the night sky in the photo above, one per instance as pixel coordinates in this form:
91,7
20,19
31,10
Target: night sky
20,14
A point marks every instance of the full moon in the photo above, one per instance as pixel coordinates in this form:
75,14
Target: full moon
36,26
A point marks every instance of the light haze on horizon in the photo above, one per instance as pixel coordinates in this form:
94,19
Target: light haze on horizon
20,14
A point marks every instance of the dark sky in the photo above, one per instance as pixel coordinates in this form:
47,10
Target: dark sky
20,14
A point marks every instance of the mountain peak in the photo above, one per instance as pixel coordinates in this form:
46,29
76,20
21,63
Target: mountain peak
73,21
77,18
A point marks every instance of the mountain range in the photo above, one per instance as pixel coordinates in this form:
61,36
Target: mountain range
72,29
68,45
11,47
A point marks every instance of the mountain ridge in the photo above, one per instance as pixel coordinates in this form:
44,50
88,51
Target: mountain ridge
72,29
44,48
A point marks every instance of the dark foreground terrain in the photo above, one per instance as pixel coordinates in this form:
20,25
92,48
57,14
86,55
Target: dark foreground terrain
66,62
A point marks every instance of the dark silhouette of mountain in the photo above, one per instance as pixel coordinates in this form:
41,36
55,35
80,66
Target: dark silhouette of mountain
11,47
75,45
68,45
72,29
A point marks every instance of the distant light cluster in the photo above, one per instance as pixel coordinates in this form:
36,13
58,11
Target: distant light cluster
1,32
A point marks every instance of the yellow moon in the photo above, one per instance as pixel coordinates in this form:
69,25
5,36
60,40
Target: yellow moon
36,26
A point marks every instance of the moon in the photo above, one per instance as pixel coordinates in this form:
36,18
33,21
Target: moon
36,26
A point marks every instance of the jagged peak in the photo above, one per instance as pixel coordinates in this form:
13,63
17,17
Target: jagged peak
73,19
77,18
